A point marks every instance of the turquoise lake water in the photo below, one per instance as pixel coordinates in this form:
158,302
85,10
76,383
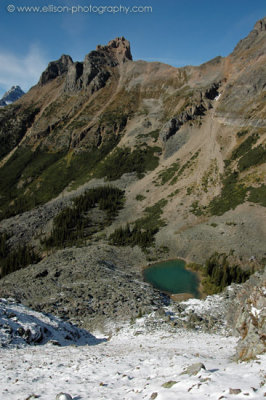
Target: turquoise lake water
172,277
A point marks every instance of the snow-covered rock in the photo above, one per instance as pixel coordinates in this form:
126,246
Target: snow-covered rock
20,326
11,95
63,396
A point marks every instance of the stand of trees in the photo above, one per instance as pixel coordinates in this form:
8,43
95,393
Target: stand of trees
132,237
222,274
74,223
11,261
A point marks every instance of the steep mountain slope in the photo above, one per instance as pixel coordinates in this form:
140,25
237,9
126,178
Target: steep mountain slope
149,359
184,146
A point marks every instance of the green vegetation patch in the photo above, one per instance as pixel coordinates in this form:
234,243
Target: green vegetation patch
152,219
253,157
43,175
123,160
242,133
245,146
167,174
76,223
114,120
153,134
173,194
185,166
14,122
196,209
139,197
232,194
258,195
132,236
142,232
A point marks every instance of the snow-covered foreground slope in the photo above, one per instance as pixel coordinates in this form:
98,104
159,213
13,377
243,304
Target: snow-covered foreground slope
134,364
19,326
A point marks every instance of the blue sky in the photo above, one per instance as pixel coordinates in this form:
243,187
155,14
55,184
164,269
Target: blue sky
176,32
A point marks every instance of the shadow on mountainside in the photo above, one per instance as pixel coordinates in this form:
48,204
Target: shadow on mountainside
21,326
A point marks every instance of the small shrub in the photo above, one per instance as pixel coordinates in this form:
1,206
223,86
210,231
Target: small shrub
173,194
196,209
242,133
189,190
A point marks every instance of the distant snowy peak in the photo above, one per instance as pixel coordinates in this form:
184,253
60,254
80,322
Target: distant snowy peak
11,95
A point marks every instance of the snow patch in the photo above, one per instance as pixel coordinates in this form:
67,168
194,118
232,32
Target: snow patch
255,311
135,364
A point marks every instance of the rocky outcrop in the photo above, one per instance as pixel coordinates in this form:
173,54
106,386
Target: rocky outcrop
118,49
55,69
200,103
94,72
247,315
170,129
258,31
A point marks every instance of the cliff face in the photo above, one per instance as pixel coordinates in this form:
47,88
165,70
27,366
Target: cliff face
247,316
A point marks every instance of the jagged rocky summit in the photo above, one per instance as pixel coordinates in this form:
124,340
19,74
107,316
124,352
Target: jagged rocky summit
93,73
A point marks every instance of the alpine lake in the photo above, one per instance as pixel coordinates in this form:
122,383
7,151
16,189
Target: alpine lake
173,278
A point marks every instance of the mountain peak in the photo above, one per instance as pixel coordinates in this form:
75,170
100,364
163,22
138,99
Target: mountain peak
260,25
251,41
119,48
80,74
11,95
93,73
